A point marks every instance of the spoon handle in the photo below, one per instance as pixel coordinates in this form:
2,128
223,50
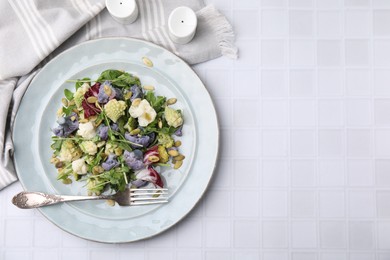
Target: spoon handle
29,200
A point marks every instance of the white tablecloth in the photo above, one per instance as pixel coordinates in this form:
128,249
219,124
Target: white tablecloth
304,170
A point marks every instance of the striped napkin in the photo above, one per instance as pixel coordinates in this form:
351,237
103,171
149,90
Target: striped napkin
32,32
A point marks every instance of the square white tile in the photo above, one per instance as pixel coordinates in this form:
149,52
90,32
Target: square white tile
273,53
382,53
333,234
274,23
331,143
361,235
304,234
274,173
246,234
274,143
303,143
328,23
357,53
303,204
358,82
273,83
381,18
303,173
329,53
302,52
303,112
274,112
301,23
331,112
274,203
302,83
358,23
275,234
331,203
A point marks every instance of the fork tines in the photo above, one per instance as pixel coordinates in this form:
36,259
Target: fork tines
147,196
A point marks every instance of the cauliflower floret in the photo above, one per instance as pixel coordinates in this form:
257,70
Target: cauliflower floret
163,154
87,130
88,147
115,109
110,148
173,117
144,112
69,151
79,94
79,166
165,140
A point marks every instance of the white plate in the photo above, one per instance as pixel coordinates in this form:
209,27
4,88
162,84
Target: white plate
172,77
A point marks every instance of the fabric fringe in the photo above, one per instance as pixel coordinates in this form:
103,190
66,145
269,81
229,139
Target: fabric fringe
223,30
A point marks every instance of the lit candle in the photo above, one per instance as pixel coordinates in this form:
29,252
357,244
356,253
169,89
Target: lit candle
182,24
123,11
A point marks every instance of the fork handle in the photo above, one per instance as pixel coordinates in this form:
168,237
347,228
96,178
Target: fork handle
29,200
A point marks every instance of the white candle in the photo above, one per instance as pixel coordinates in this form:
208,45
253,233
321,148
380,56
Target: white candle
182,24
123,11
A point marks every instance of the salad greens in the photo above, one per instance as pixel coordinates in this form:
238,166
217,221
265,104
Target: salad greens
113,133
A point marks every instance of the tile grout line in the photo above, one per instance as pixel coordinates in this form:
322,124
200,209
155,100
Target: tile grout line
289,197
345,126
260,181
232,131
375,226
317,126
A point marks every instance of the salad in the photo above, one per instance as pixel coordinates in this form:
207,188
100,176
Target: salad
114,133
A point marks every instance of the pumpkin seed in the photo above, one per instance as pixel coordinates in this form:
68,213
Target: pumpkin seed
91,100
97,169
149,87
128,95
171,101
136,102
104,156
118,151
92,118
107,90
100,144
173,153
180,157
147,61
54,160
67,181
59,112
177,165
110,203
153,158
177,143
135,131
64,102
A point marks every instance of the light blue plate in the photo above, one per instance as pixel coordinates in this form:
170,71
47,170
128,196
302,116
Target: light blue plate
172,77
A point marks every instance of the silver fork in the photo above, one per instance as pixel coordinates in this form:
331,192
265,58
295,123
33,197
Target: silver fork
128,197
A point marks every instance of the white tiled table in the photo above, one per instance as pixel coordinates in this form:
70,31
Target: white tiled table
304,171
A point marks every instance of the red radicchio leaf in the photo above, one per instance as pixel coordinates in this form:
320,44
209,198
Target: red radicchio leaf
91,109
93,91
151,175
153,151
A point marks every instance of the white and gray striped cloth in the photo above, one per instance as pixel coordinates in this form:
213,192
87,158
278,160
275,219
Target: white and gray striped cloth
34,31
